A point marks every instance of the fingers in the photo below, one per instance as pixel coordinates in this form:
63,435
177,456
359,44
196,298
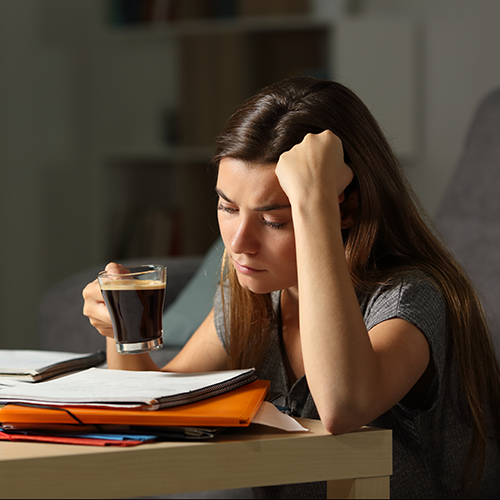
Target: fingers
115,268
334,148
92,294
95,308
316,161
112,266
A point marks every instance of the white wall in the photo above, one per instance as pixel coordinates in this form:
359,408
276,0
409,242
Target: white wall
29,95
460,64
44,183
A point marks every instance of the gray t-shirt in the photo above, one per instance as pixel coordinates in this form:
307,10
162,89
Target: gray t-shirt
431,441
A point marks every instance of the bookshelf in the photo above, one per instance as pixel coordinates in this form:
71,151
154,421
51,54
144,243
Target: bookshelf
215,62
161,31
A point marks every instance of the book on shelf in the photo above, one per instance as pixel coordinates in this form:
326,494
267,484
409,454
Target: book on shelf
147,390
215,74
273,7
147,231
140,12
35,366
143,12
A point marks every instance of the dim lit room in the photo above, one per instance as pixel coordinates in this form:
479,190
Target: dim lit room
189,145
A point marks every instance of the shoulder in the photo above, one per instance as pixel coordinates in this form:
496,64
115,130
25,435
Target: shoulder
219,316
417,299
412,296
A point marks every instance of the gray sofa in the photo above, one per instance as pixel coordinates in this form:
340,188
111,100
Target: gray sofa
469,215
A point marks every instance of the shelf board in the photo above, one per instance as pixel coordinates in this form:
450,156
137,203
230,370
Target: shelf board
165,31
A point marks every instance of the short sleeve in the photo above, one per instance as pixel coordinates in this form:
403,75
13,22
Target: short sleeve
219,317
417,300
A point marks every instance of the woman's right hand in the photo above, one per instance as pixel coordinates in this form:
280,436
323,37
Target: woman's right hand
95,308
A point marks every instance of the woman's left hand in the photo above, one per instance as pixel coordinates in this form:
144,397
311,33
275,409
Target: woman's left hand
316,165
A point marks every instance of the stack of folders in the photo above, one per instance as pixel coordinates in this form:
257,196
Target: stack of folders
124,408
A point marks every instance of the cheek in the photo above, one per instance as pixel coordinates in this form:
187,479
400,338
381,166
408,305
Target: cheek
290,256
283,247
285,262
226,229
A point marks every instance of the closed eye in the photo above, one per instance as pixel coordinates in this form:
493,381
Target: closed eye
225,208
274,225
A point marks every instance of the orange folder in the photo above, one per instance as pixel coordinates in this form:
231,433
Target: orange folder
235,408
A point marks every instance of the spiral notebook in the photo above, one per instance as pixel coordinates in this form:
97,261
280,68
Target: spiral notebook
150,390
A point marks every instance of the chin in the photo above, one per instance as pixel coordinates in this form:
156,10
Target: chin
255,287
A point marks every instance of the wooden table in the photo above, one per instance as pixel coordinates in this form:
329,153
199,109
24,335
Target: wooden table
356,465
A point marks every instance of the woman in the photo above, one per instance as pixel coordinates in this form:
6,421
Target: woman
335,288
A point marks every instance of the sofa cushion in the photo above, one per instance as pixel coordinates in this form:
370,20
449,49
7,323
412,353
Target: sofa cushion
195,301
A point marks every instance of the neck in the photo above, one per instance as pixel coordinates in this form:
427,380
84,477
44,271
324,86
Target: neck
290,306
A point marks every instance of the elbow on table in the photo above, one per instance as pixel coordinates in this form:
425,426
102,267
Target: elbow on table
339,426
346,411
342,421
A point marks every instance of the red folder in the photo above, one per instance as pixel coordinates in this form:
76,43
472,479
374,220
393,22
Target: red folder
232,409
67,440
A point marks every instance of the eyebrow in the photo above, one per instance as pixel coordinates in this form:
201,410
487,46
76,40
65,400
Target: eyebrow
265,208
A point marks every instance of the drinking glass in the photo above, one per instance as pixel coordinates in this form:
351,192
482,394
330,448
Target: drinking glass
134,297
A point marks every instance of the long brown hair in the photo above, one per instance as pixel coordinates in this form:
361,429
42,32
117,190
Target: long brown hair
391,232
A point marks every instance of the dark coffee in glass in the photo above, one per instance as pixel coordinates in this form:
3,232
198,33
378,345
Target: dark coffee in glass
135,299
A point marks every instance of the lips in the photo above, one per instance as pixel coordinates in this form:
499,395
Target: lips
246,269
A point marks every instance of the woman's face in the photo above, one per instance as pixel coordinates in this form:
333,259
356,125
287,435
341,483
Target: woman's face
255,220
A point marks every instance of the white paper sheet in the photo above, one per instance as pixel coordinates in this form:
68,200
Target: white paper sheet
269,415
94,386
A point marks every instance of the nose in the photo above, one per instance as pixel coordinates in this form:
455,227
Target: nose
245,239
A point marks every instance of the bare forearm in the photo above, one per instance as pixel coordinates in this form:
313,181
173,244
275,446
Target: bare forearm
339,361
137,362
